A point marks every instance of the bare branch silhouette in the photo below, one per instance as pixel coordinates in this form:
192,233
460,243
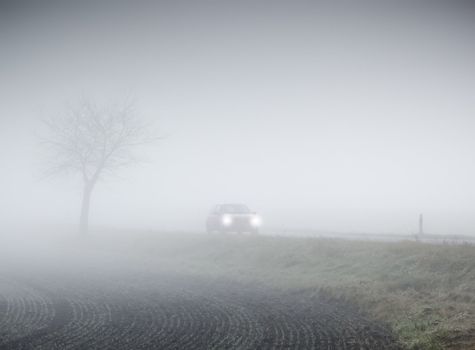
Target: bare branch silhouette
93,143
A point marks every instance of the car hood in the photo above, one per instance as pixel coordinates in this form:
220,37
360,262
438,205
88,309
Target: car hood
247,215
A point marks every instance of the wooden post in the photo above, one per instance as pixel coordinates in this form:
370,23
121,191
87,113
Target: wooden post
421,224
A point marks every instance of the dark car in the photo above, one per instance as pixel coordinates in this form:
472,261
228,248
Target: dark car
232,218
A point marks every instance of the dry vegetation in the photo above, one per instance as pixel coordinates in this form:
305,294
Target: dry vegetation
426,293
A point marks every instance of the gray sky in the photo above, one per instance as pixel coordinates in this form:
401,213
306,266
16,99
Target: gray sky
344,117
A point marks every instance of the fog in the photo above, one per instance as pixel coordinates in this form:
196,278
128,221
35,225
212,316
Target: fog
343,117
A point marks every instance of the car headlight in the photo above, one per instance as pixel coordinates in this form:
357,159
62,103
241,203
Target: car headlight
256,221
227,220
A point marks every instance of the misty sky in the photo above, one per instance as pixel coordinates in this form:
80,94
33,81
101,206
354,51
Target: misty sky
344,117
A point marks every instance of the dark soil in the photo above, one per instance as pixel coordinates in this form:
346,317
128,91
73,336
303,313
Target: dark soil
108,302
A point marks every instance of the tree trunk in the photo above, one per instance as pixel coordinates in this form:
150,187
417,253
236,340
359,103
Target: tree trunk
86,199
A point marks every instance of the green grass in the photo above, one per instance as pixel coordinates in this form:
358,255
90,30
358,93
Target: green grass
426,293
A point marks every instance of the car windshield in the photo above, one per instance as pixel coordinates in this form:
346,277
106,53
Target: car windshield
234,208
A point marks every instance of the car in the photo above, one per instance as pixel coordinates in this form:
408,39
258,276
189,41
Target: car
232,218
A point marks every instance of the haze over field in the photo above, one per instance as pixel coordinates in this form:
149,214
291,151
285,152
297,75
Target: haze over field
334,117
346,124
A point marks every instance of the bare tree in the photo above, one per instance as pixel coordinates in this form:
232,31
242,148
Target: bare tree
93,143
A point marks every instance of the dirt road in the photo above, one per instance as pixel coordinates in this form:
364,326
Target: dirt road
97,300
